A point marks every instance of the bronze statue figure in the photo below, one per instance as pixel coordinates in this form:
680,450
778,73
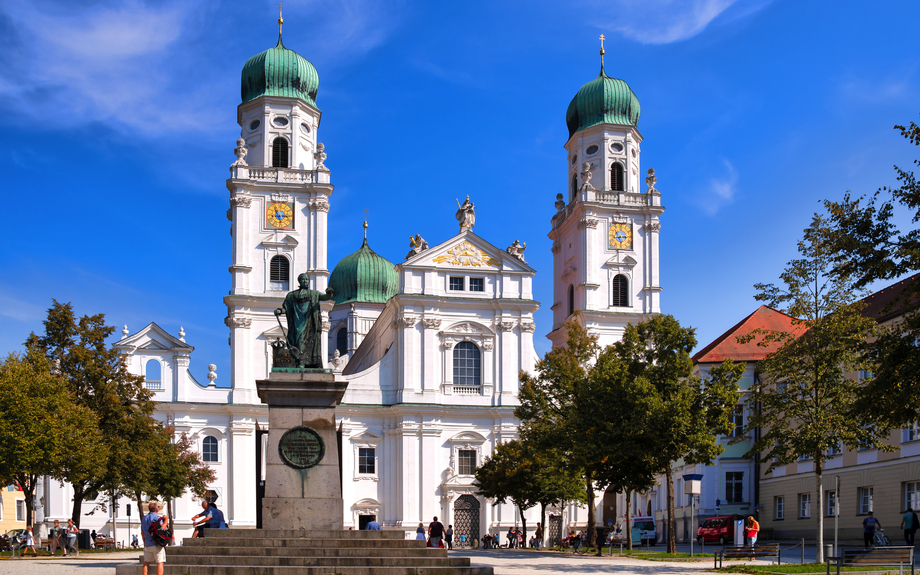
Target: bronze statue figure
304,323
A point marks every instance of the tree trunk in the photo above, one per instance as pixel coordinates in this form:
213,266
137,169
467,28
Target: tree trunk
523,525
628,520
76,511
592,534
170,514
819,540
543,524
27,483
672,521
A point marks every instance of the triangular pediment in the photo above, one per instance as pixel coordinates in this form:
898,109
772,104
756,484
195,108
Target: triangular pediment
469,251
622,260
367,436
154,338
467,328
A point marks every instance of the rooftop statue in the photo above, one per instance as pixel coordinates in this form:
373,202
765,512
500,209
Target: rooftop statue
466,214
304,323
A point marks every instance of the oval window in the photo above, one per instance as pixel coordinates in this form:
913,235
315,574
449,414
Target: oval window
574,159
305,128
592,149
617,147
254,124
280,122
634,153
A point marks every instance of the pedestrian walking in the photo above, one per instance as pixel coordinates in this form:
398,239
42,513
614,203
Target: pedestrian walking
28,542
153,553
539,536
870,524
435,532
449,537
71,535
372,525
58,538
909,524
420,532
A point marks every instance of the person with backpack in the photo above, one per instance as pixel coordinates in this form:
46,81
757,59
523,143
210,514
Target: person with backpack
910,525
154,527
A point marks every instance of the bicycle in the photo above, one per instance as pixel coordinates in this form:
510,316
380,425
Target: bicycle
880,539
580,545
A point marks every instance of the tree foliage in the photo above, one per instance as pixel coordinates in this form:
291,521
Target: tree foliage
42,429
805,400
869,246
680,415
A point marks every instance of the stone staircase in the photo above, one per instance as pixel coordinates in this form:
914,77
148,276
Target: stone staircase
262,552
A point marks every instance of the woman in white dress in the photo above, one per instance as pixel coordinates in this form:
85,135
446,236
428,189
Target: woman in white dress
29,542
420,533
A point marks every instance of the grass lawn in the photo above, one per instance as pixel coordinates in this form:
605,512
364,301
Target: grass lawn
45,553
807,568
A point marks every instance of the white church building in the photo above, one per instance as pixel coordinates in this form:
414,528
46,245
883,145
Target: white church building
431,347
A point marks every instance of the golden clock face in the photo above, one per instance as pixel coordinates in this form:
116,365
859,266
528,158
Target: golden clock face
620,236
280,215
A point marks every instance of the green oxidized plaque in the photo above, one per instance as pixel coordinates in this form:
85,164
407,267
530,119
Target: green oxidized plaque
301,447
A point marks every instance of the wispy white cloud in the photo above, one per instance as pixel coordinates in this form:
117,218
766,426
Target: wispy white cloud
666,21
721,191
863,88
139,66
19,309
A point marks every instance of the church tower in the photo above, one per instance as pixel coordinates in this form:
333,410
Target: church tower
605,230
279,200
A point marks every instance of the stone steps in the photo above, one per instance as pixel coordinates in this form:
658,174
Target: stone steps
301,551
259,552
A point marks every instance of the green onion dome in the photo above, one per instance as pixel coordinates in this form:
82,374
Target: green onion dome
363,277
604,100
279,72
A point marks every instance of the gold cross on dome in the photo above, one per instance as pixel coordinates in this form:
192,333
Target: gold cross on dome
365,223
602,50
280,19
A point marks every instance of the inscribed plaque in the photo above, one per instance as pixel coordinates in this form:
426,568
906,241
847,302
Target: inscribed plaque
301,447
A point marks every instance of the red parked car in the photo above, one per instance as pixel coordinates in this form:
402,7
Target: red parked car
716,529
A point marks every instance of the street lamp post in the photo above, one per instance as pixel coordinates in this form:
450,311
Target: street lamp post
692,484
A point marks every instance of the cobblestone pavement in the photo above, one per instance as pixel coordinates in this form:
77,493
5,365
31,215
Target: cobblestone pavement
87,564
550,563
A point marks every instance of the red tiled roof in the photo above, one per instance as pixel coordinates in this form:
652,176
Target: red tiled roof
726,346
888,303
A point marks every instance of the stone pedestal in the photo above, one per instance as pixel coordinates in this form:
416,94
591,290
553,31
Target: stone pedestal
303,488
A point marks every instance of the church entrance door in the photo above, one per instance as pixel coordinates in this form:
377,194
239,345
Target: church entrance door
466,520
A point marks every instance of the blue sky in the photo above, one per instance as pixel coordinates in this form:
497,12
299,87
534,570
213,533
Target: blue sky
119,125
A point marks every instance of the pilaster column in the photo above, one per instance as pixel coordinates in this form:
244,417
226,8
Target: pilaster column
241,468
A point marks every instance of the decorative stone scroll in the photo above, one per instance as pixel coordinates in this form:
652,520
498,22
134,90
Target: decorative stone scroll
240,200
301,447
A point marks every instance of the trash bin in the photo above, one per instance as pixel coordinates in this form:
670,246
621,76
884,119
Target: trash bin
828,551
83,539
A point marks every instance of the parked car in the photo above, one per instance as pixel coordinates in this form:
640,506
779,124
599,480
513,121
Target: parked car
717,529
643,530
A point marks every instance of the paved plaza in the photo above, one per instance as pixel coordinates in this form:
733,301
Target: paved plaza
549,563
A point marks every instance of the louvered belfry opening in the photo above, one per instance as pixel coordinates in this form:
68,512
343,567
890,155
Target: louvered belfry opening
620,291
279,153
574,188
279,273
616,177
571,300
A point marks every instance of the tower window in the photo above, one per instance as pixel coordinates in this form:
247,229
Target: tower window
341,341
616,177
620,291
209,449
592,149
279,273
571,299
477,284
153,374
574,189
467,365
456,284
279,153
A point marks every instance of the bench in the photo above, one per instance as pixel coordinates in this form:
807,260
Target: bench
743,552
888,557
105,544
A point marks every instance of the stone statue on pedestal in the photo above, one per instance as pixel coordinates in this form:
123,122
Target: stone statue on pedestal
466,214
304,323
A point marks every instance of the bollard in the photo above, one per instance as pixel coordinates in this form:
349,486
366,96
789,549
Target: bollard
803,551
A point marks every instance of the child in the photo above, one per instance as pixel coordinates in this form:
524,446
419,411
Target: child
29,542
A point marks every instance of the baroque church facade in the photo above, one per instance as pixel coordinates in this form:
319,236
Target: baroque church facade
431,347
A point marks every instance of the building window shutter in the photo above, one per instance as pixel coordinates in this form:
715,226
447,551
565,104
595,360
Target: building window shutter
616,177
620,291
279,153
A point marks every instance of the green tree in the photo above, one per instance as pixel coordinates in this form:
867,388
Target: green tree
869,246
98,380
510,474
42,429
684,413
804,403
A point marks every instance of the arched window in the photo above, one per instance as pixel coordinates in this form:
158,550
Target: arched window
341,341
571,299
209,449
279,273
153,375
574,189
620,291
467,364
616,177
279,153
